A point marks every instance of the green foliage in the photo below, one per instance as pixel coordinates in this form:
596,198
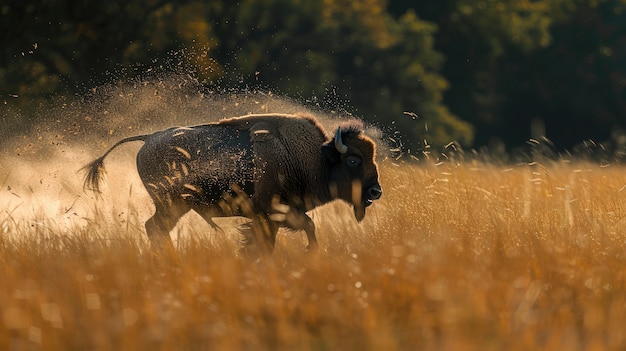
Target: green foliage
578,83
512,62
451,70
321,51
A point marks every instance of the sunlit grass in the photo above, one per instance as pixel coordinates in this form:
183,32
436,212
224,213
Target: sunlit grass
468,256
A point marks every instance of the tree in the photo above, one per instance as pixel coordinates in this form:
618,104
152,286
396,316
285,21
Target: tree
346,50
510,63
577,84
321,51
474,36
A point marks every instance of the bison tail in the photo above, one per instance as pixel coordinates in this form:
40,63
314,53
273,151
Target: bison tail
95,169
93,176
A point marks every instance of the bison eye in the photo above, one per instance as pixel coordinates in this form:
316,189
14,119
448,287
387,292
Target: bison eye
353,161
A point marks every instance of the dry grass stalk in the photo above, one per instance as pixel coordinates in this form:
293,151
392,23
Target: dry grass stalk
454,257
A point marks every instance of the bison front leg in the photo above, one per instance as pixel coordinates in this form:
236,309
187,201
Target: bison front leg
309,228
300,221
295,219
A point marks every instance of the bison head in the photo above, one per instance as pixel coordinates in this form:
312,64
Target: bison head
353,171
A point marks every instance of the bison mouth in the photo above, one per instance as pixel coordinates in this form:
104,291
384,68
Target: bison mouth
359,210
369,195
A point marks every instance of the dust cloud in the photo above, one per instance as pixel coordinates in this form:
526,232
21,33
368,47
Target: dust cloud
40,180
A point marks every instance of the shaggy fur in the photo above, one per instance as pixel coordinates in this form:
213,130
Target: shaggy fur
272,168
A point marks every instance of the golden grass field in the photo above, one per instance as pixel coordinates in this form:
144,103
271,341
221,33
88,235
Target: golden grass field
467,256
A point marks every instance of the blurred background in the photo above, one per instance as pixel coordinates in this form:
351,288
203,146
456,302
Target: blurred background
484,74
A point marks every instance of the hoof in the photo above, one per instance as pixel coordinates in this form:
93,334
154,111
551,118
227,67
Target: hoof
312,248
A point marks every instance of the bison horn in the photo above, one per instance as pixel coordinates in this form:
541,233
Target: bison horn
339,145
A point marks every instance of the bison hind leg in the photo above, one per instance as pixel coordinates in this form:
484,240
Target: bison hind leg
158,226
257,235
207,215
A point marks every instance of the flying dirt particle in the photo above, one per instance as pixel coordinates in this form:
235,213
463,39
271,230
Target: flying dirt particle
44,176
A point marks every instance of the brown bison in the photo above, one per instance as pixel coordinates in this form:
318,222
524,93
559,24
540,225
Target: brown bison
281,166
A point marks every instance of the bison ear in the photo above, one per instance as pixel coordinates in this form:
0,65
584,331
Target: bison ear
330,152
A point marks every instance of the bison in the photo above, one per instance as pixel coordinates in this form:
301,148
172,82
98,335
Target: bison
281,165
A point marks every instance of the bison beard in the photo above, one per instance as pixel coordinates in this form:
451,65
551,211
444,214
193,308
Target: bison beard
271,168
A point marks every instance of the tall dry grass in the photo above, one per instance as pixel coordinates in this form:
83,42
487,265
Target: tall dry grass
469,256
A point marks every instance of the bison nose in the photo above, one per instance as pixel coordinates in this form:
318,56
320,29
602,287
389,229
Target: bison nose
374,192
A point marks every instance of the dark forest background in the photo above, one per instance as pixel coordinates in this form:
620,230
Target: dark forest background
482,73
